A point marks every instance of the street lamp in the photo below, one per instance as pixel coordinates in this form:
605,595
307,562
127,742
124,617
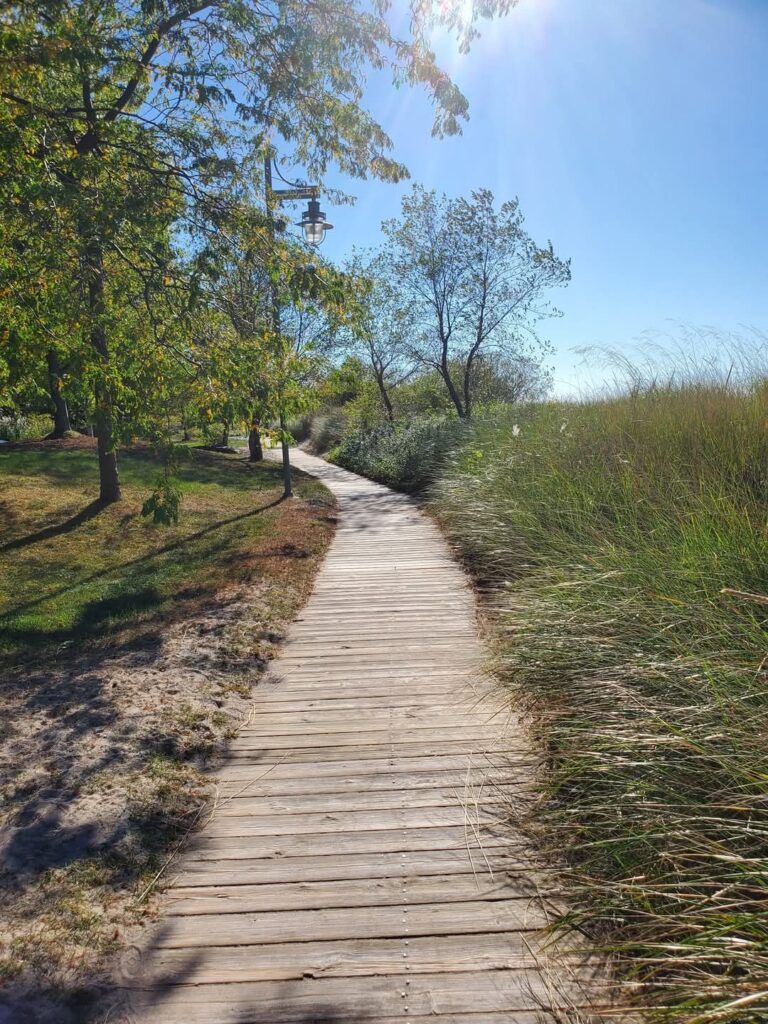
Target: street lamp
313,223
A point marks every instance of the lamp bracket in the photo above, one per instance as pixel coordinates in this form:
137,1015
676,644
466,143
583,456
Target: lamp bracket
284,195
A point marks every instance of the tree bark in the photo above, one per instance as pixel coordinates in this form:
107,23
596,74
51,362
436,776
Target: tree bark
445,373
61,422
109,480
385,399
468,381
287,486
225,436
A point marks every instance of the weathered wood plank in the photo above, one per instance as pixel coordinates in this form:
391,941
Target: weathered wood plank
400,840
417,717
335,867
384,752
164,1008
469,734
403,888
342,999
462,764
352,958
377,819
257,804
480,916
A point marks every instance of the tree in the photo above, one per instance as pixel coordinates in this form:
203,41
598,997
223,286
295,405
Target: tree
382,330
474,283
122,120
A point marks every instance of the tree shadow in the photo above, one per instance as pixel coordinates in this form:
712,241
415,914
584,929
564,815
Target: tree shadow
143,993
142,559
57,529
114,615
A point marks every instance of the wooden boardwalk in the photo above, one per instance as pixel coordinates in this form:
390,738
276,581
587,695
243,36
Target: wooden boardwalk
353,869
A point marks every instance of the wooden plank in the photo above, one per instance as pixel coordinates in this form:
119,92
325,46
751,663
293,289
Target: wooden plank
407,689
255,804
463,763
481,916
340,701
313,1000
409,650
206,847
349,959
422,627
383,752
473,726
379,819
335,867
325,716
403,889
157,1009
371,719
470,735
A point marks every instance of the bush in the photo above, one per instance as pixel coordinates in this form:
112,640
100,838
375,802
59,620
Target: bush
322,431
612,529
327,430
299,427
408,456
24,428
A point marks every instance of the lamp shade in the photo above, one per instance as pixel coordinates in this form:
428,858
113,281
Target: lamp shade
313,223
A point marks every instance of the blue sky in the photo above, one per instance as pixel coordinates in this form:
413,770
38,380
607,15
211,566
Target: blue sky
634,132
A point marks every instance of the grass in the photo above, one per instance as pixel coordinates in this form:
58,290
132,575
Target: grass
608,531
74,573
128,653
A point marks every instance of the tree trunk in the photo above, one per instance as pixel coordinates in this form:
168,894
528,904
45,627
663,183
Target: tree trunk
386,401
60,411
287,488
254,443
225,436
109,481
468,385
455,397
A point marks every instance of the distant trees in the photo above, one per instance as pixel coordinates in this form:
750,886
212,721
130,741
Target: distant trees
468,285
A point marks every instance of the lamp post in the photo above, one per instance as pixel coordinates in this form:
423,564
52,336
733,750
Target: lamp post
314,225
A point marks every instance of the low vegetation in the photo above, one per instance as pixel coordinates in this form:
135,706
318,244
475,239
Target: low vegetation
406,456
128,652
628,542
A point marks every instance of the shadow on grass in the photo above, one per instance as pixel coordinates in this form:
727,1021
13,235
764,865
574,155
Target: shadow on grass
132,563
57,529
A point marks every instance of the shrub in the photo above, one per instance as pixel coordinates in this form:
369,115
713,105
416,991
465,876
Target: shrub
612,529
24,428
326,430
407,456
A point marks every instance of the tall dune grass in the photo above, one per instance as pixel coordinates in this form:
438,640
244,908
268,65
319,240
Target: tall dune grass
629,542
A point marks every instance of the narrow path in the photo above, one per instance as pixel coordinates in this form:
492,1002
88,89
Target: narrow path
353,869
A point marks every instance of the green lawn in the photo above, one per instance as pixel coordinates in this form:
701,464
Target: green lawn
75,573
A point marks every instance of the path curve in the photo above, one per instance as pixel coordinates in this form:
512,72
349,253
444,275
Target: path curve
355,868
